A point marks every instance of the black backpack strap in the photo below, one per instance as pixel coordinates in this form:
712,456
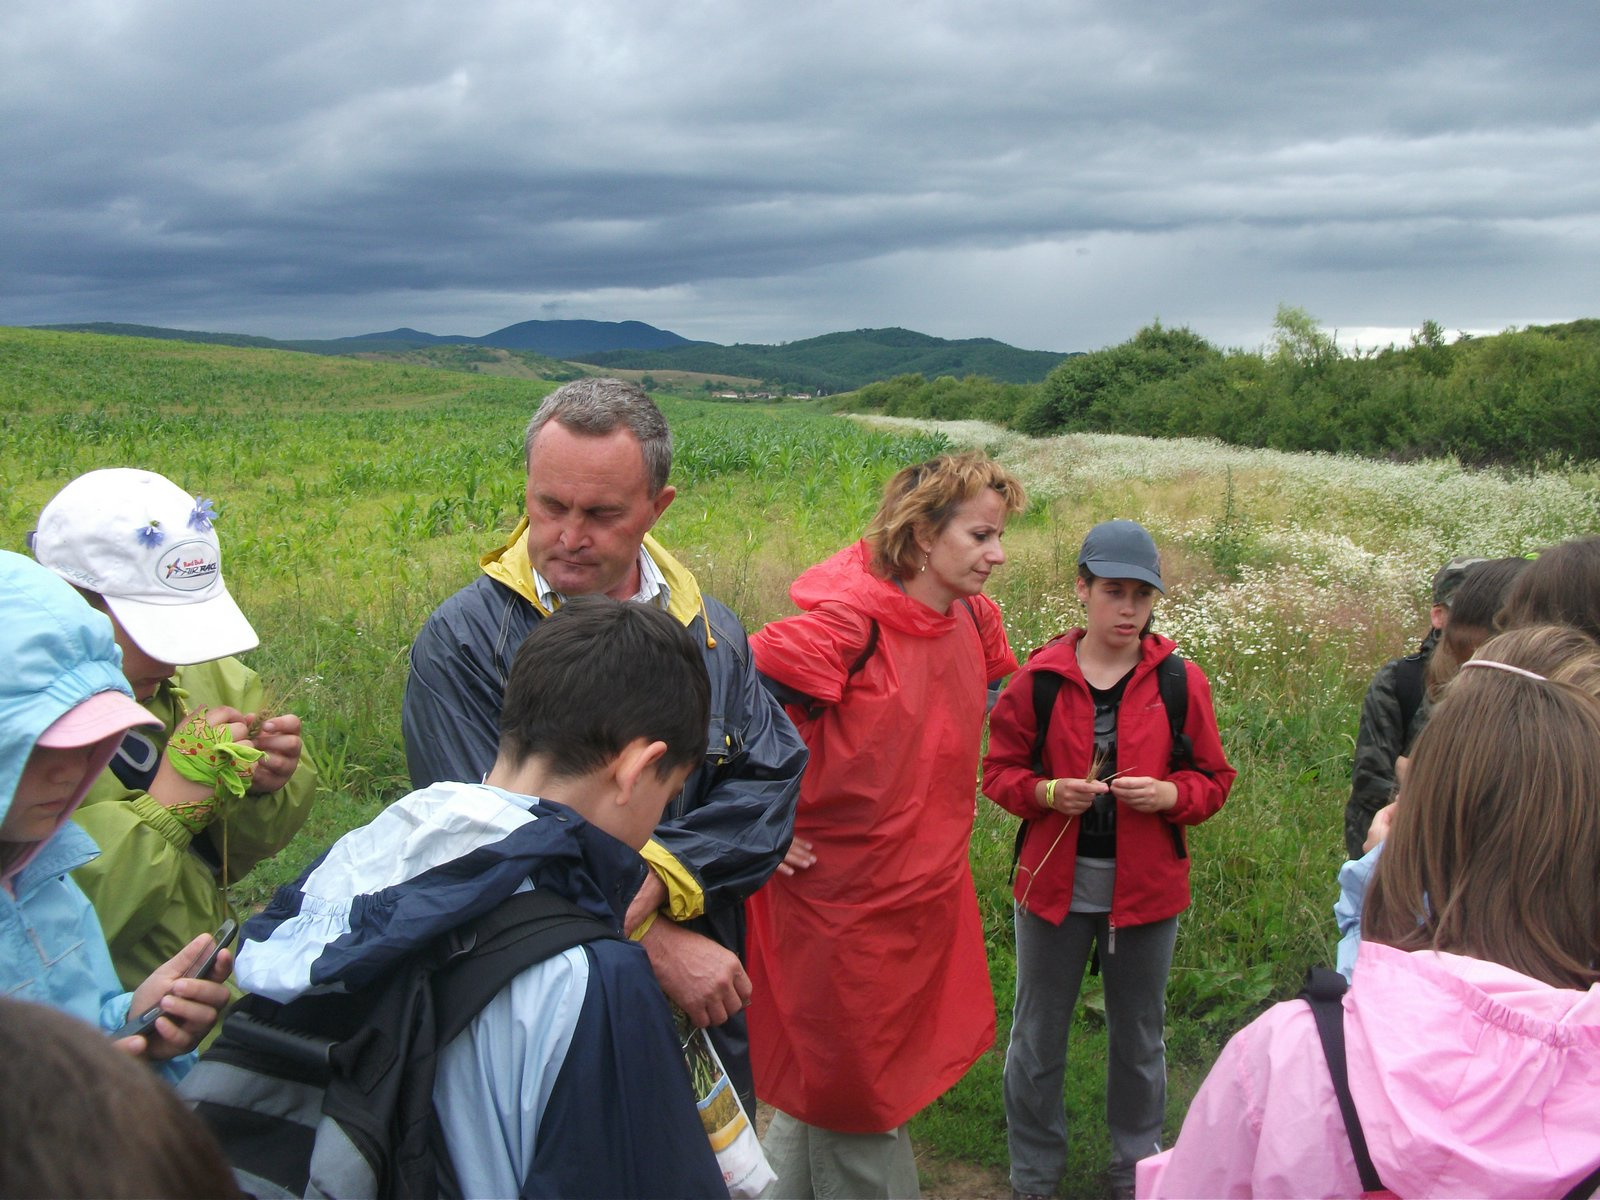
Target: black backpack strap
867,651
286,1081
1410,674
992,693
1173,681
449,984
812,707
1323,990
1046,687
479,960
488,953
1585,1187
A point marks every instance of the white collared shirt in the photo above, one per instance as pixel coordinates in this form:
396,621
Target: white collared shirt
653,587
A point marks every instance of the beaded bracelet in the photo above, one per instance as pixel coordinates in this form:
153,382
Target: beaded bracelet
206,753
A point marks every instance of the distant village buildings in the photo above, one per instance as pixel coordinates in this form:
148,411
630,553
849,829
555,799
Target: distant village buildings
764,395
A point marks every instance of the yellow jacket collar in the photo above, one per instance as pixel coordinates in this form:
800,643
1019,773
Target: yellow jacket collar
511,566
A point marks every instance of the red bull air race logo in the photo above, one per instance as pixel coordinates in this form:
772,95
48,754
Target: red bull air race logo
189,567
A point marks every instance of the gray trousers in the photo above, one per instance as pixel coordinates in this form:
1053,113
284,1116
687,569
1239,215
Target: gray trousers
1051,961
813,1163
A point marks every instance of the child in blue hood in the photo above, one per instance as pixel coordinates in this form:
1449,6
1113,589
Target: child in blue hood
64,707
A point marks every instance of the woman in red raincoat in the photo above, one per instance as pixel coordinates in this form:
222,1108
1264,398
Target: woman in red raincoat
870,979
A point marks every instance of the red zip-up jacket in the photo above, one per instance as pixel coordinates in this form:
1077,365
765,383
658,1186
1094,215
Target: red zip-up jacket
1152,881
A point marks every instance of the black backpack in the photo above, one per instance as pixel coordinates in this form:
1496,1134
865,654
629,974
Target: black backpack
1173,684
331,1094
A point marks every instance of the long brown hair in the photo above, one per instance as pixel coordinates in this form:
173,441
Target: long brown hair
1561,586
84,1119
923,498
1495,847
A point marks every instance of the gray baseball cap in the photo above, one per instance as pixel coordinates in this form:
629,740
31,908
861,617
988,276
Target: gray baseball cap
1122,550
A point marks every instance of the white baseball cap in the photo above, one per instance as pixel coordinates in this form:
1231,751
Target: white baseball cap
149,548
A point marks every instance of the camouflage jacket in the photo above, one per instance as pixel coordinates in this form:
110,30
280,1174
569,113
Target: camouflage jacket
1389,725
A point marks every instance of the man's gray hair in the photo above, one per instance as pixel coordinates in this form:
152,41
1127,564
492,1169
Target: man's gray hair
600,406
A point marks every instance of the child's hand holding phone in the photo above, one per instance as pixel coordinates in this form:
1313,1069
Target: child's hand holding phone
174,1008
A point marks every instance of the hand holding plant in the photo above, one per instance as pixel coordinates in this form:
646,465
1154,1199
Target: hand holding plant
279,740
1072,796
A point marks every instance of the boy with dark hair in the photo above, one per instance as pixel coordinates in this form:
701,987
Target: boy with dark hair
571,1081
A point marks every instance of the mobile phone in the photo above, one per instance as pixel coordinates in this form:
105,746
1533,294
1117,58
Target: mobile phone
146,1021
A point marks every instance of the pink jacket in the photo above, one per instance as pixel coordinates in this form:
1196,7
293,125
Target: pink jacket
1470,1080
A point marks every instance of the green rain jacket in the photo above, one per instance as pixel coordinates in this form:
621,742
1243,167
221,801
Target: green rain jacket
154,886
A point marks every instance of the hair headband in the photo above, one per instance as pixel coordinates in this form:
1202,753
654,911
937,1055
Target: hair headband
1500,666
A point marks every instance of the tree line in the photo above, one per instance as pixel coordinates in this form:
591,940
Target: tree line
1525,397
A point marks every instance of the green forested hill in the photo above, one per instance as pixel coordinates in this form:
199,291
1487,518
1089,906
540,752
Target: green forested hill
838,362
834,362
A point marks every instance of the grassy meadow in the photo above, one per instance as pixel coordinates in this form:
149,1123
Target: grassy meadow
353,497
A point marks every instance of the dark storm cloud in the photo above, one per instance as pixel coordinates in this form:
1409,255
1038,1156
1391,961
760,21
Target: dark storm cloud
1052,174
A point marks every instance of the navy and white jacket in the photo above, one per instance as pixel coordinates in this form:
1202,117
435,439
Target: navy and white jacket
569,1083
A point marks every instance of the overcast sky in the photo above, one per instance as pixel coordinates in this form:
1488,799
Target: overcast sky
1052,174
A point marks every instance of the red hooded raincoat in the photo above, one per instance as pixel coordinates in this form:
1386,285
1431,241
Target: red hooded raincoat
872,991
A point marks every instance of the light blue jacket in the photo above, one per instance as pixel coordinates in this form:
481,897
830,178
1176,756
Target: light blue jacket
1354,879
571,1082
56,652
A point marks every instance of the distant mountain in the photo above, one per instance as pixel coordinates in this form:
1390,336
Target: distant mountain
570,339
834,362
839,362
407,337
554,339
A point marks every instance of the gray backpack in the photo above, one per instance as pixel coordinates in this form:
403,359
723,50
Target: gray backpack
331,1094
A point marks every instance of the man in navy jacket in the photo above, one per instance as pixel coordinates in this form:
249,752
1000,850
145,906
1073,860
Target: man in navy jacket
598,457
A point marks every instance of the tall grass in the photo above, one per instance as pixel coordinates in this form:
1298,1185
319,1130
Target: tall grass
353,498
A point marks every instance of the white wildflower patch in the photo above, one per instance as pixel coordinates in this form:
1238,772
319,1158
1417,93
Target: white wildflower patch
1507,513
1283,558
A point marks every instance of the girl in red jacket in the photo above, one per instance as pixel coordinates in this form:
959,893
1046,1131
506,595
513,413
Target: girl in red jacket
1104,794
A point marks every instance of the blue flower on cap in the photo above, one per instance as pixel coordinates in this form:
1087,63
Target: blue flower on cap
151,535
204,513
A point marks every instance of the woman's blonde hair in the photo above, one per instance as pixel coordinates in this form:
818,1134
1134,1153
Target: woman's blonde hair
920,500
1495,847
